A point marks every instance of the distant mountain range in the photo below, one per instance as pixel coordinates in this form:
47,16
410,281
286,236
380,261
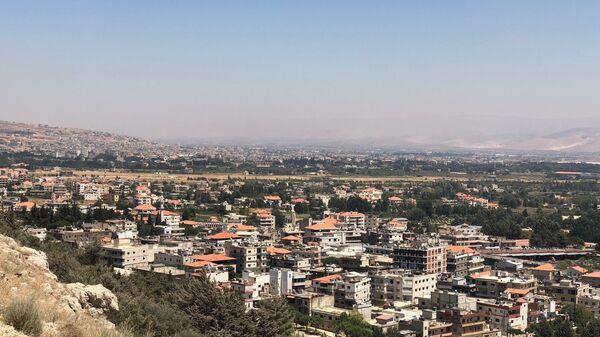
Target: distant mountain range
577,140
39,138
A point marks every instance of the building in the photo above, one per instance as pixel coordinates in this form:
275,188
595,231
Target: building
568,291
353,291
286,281
467,323
462,261
355,220
324,233
592,278
545,272
401,285
248,258
504,315
306,302
422,257
122,253
492,286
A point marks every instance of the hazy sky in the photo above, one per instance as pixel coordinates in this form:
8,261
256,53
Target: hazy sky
301,69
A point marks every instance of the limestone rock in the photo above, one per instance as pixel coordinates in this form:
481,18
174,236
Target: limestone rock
95,298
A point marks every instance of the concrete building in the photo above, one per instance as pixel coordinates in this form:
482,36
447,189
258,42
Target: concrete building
353,291
286,281
504,315
122,253
421,257
401,285
568,291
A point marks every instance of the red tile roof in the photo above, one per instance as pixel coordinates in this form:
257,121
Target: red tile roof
545,267
579,269
213,258
325,224
271,250
145,207
461,249
327,279
595,274
199,264
223,236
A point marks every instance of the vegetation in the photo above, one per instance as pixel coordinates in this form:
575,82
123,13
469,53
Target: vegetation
579,322
24,315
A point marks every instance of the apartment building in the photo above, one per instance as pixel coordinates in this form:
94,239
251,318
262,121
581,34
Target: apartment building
353,291
324,233
492,286
354,220
463,261
467,323
421,257
122,253
568,291
285,281
401,285
505,315
248,258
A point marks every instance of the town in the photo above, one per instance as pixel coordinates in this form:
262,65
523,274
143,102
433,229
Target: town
428,258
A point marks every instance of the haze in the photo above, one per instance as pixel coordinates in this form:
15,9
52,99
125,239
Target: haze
310,70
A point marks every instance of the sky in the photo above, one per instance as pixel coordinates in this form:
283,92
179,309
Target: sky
425,70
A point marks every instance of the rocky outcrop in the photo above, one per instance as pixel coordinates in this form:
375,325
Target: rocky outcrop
24,273
95,298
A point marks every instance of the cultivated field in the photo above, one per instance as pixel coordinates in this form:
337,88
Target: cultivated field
183,177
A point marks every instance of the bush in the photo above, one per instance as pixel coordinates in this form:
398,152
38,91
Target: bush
24,315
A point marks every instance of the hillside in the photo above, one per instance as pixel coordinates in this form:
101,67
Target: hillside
60,141
30,292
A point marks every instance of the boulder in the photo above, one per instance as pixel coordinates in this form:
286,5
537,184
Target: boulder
94,298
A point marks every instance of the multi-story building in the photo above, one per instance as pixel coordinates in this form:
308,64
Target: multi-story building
263,218
371,194
462,261
324,233
421,257
590,302
248,258
355,220
568,291
492,286
401,285
286,281
467,323
505,315
124,254
353,291
307,301
441,299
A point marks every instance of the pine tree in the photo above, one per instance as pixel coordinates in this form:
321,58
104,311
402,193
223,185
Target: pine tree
273,318
212,310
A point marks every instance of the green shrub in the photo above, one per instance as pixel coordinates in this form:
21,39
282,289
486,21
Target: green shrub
24,315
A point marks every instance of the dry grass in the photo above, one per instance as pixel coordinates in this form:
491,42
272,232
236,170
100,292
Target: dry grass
110,333
24,315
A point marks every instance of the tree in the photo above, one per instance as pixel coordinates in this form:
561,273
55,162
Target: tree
592,328
279,218
213,310
579,315
273,318
353,325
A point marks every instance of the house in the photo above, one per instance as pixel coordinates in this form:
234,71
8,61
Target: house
545,272
575,271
